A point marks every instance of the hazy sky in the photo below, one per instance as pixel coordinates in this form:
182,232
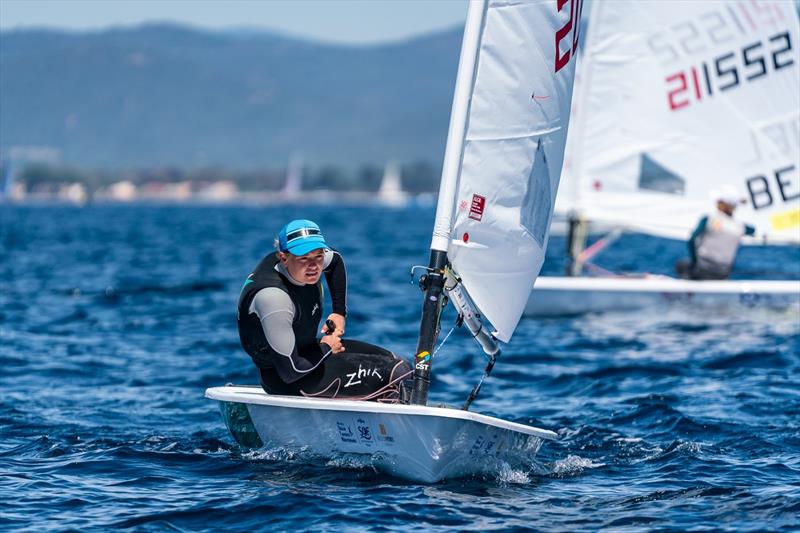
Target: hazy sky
350,21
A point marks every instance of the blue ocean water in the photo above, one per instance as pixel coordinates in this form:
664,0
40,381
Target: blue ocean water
114,320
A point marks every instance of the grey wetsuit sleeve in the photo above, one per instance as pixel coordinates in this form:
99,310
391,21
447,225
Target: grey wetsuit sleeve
276,311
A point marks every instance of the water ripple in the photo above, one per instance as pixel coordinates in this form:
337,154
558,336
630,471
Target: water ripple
113,321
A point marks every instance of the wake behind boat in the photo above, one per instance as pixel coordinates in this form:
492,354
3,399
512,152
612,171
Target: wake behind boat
499,180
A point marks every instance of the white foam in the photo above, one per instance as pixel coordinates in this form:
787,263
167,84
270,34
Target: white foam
574,464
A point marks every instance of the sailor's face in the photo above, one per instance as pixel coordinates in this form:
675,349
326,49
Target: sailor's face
304,268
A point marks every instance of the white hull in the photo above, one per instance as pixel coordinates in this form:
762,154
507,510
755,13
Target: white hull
553,296
419,443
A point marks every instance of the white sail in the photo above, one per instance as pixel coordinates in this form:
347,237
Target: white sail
8,183
391,190
676,101
505,149
294,178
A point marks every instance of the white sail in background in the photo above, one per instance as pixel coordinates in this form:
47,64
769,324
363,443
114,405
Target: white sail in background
8,183
676,101
294,178
506,146
391,190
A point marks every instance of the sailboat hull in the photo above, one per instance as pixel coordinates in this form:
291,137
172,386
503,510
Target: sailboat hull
418,443
554,296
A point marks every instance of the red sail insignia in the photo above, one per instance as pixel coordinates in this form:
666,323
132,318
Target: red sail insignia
476,209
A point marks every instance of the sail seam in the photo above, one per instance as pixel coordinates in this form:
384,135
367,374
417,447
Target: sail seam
533,135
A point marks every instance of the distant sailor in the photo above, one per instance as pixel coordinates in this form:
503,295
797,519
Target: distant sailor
280,309
715,241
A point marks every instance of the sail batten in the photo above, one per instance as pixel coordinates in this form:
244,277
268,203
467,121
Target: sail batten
531,135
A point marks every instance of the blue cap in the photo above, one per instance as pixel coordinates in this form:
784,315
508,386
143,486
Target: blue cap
299,237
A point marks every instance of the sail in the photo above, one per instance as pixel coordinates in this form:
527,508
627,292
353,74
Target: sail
678,101
8,183
294,178
508,152
391,190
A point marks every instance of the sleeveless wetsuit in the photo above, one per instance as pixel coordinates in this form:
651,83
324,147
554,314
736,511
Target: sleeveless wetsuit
279,319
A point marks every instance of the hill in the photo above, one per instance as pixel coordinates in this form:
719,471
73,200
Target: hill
171,95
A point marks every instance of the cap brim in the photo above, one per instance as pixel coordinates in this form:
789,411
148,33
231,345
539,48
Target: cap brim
309,244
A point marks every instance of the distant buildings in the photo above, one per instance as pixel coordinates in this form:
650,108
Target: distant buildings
157,191
38,176
124,191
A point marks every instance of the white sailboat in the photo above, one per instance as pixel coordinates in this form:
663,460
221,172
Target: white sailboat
293,186
503,159
8,181
674,102
391,191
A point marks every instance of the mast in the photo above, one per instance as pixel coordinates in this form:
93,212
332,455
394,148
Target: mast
576,242
433,281
578,224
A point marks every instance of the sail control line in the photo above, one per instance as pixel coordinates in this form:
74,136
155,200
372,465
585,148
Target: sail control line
439,286
468,316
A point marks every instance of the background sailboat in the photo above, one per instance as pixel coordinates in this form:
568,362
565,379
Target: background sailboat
391,191
675,101
293,186
8,180
503,159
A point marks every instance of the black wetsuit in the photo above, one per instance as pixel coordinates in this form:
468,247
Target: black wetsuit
304,366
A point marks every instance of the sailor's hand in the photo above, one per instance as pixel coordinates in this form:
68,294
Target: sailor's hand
338,321
334,341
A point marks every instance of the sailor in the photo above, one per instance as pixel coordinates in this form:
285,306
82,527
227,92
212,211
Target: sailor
279,314
715,241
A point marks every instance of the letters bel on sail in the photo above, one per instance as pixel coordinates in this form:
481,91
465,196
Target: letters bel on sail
677,100
512,152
